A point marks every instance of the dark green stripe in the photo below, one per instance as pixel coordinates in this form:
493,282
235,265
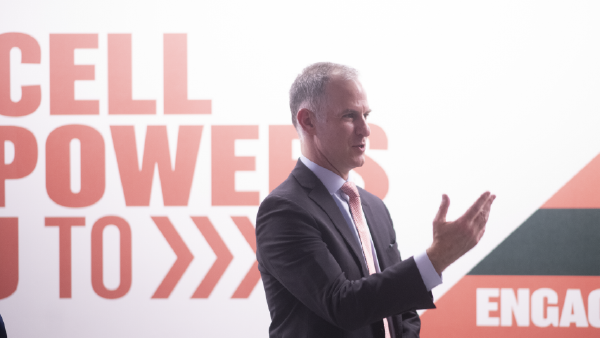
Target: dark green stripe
551,242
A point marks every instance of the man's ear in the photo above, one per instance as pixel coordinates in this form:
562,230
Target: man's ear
307,120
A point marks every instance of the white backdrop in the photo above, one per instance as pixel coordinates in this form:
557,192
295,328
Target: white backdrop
473,96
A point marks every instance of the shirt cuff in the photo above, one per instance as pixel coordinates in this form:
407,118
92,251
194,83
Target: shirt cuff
430,277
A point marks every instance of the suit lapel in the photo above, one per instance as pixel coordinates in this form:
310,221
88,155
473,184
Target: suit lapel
380,240
323,199
326,202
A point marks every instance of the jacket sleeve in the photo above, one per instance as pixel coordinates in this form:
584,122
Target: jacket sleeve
291,248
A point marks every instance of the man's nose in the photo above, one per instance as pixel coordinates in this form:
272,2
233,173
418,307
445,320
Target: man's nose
363,127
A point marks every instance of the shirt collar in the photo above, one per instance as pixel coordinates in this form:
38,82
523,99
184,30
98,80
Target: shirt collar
333,182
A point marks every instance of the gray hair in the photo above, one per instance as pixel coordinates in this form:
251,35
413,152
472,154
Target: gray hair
309,87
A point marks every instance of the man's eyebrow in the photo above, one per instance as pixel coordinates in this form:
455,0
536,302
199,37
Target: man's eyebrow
347,111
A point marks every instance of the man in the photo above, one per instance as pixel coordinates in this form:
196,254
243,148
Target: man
2,328
327,251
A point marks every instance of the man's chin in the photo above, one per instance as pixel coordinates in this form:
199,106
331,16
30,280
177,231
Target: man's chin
359,162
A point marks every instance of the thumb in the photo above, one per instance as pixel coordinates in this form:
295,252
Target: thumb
441,214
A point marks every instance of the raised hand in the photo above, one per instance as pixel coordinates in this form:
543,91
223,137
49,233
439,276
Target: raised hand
451,240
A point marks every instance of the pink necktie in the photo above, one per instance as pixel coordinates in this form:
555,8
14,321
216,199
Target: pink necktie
363,233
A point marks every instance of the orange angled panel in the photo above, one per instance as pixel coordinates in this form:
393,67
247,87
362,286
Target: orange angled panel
581,192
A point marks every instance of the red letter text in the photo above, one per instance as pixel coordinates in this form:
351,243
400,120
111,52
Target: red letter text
225,164
58,173
64,225
176,86
30,95
176,182
24,160
64,72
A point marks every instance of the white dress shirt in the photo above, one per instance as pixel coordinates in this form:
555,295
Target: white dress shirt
333,183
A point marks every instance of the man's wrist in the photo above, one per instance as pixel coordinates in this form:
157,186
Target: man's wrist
436,260
431,278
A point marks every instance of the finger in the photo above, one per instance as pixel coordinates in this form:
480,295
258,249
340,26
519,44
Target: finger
483,215
476,207
485,210
488,204
443,210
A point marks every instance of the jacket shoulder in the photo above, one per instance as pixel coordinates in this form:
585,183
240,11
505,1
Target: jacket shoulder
288,188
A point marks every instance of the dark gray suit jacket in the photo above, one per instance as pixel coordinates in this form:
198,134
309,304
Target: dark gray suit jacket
313,271
2,328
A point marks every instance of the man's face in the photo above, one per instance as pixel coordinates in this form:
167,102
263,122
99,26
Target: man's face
342,130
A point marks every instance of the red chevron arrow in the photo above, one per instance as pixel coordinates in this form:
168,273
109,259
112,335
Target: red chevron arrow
184,257
224,257
253,276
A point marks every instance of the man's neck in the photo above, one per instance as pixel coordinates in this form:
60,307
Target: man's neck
318,158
